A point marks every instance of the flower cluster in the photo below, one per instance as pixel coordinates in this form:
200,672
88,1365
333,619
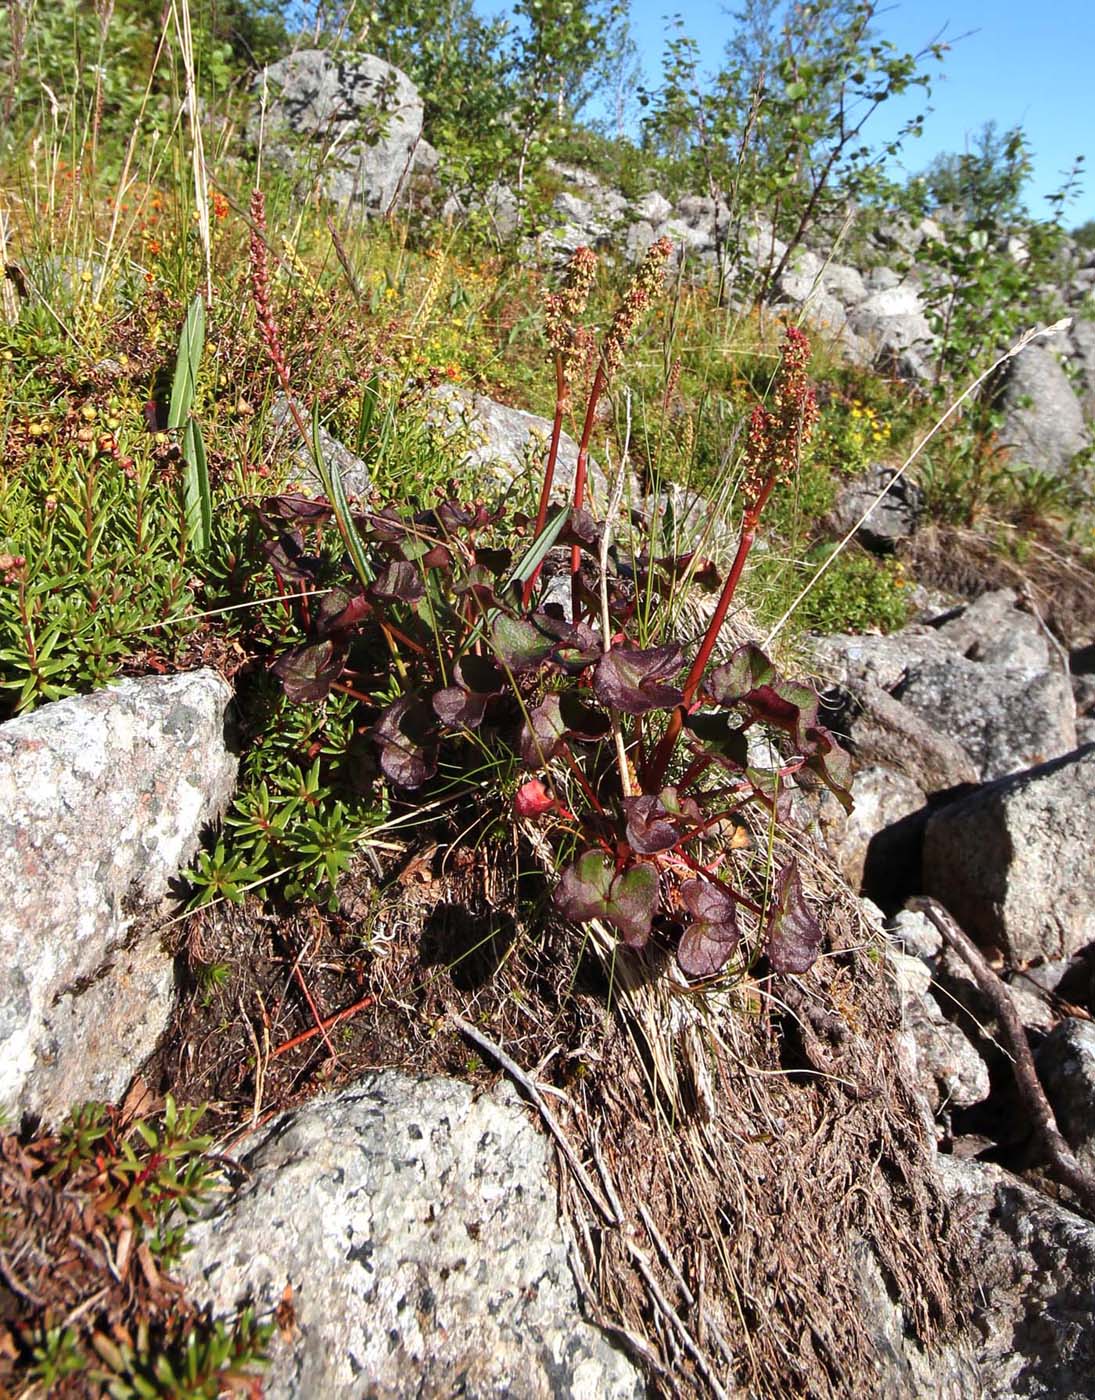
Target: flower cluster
260,286
570,342
778,434
645,286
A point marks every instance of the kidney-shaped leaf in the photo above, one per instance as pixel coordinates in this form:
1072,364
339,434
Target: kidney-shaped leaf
633,680
592,889
747,669
657,823
709,941
307,672
793,934
398,582
405,735
518,644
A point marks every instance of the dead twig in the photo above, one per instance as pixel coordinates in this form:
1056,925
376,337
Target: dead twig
328,1023
518,1075
1060,1159
661,1303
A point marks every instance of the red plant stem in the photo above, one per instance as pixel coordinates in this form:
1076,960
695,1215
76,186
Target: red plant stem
561,399
600,380
664,752
327,1024
320,1027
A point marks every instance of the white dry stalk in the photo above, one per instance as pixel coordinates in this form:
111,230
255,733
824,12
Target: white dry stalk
606,621
197,147
1027,338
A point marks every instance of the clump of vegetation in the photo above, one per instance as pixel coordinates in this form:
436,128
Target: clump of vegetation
92,1220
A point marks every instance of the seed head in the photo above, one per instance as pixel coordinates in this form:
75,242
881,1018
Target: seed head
778,434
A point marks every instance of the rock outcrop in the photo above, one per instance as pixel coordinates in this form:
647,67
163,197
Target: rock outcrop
414,1221
102,801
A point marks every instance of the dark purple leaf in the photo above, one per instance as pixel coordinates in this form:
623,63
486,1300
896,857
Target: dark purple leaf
386,525
518,644
287,557
556,719
747,669
307,672
581,529
831,763
632,680
542,733
591,889
464,704
338,611
292,507
719,736
707,942
398,582
576,642
792,933
658,823
406,736
495,561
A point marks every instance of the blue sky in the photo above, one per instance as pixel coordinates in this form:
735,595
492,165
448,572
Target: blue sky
1024,63
1016,62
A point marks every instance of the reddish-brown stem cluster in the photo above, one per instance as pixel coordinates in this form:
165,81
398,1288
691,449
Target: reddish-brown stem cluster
776,438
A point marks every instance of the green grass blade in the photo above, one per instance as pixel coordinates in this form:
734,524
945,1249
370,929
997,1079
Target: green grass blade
187,362
197,497
333,489
536,553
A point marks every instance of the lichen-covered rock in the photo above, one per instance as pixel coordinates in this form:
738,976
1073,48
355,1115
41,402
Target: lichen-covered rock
503,441
1013,860
360,119
1066,1066
102,801
890,518
882,731
415,1221
285,439
881,799
1006,718
994,630
892,321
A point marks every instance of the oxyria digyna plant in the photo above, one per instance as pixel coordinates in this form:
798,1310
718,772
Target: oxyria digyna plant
638,759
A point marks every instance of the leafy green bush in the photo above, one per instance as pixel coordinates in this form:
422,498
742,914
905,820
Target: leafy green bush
857,593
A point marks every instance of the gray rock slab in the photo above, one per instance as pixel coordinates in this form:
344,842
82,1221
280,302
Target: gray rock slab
847,659
893,322
359,118
1044,419
892,506
1013,861
882,798
1066,1067
994,630
1006,718
506,442
102,801
882,731
415,1221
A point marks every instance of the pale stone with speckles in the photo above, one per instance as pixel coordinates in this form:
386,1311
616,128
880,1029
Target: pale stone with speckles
102,801
415,1221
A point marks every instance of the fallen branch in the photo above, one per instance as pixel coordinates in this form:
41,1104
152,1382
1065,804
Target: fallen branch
1060,1159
